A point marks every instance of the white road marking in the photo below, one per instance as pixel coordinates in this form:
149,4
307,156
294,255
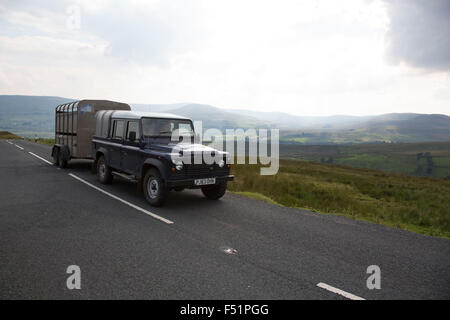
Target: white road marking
40,158
123,201
339,291
18,147
10,142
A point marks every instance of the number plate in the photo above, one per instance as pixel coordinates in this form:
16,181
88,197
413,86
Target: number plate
202,182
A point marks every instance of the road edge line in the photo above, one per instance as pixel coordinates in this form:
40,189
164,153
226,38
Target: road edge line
123,201
35,155
339,291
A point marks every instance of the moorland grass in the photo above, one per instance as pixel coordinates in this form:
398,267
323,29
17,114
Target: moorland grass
416,204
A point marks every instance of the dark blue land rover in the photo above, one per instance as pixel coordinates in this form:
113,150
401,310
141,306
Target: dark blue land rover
140,147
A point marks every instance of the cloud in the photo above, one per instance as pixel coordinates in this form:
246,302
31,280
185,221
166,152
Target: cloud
419,33
322,57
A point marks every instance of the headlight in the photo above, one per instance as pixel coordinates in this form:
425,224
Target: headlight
179,165
221,163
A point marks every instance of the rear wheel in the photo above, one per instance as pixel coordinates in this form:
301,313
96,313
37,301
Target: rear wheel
154,188
104,173
215,191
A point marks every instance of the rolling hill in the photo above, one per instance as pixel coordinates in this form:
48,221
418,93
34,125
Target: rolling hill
29,115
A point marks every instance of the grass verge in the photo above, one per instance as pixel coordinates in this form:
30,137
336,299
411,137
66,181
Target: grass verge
44,141
416,204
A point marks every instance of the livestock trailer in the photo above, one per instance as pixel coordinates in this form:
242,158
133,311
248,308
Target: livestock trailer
75,126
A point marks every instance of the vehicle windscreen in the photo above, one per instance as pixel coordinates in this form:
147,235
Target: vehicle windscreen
166,127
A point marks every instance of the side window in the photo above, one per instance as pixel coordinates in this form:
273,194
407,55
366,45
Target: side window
118,129
133,126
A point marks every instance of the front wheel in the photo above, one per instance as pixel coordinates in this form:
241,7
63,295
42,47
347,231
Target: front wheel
154,188
215,191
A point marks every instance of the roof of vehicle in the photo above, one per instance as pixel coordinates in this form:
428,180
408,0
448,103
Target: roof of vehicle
140,115
104,102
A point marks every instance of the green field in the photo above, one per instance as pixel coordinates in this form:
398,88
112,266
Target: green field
418,204
430,159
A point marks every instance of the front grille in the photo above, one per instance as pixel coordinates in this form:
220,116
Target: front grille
199,169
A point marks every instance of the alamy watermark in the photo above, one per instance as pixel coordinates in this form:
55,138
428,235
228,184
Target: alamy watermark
239,146
374,280
74,280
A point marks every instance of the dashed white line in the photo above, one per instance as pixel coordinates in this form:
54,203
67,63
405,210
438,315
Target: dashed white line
339,291
40,158
123,201
9,142
18,147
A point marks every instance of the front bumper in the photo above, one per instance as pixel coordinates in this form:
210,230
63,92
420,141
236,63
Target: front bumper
189,183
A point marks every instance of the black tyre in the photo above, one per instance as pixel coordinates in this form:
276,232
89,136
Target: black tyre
215,191
104,173
154,188
62,163
55,156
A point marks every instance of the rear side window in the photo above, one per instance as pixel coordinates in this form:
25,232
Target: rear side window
118,129
133,126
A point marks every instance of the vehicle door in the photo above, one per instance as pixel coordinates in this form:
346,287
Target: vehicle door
115,145
131,153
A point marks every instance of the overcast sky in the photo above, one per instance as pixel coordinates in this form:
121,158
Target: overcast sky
302,57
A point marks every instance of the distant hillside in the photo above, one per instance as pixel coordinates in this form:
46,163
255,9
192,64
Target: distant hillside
8,135
288,121
29,115
396,127
213,117
156,107
431,159
433,127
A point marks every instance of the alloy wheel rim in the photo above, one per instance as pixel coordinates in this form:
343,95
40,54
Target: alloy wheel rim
102,170
153,188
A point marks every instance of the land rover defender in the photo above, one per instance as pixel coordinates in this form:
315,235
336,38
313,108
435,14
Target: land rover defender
140,146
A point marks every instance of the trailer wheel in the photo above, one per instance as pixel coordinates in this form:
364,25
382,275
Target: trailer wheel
103,171
216,191
62,163
154,188
55,156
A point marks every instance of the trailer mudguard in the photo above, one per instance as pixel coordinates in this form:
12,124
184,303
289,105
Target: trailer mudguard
63,149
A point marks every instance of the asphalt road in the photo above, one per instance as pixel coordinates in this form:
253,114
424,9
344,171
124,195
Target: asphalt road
50,220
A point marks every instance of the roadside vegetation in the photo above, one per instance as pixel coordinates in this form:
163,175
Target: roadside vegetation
9,135
12,136
45,141
417,204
